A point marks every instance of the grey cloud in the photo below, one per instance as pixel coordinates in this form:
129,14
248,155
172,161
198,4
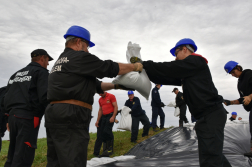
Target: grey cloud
221,29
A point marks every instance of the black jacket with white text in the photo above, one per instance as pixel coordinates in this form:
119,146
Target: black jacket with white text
74,74
26,92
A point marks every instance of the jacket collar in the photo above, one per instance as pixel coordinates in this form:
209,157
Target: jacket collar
243,73
194,54
36,64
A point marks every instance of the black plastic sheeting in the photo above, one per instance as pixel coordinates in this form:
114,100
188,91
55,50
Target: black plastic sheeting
178,147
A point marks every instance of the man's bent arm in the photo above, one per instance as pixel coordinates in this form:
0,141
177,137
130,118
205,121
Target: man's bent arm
107,86
125,68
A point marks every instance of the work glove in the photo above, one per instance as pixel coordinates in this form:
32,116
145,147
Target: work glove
119,111
227,102
138,67
162,104
118,86
135,60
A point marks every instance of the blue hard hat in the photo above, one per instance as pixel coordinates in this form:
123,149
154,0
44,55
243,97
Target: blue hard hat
185,41
234,113
81,32
130,92
229,66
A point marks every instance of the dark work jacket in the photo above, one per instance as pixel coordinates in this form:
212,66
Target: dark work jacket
2,120
231,119
244,87
194,76
26,92
135,106
74,74
180,100
155,97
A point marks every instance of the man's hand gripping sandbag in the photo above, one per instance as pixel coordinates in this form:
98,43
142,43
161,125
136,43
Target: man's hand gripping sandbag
135,80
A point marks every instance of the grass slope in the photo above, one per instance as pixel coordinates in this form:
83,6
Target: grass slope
122,145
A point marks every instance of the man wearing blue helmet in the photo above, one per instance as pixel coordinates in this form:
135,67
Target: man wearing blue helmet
191,71
244,87
233,117
72,84
137,115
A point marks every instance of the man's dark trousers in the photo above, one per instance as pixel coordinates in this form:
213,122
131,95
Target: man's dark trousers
135,126
155,112
23,142
106,128
98,142
210,133
67,135
182,116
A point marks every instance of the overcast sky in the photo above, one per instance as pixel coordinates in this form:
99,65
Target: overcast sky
220,29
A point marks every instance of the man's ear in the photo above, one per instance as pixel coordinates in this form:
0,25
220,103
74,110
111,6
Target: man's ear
78,42
42,58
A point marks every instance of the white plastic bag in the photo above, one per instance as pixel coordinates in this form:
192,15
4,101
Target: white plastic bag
177,112
172,104
126,121
135,80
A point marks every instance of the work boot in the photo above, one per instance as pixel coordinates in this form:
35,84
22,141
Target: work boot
144,134
155,129
96,155
180,123
249,154
109,149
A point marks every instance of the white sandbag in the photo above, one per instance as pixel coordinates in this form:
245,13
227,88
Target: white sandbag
172,104
177,112
135,80
126,121
133,50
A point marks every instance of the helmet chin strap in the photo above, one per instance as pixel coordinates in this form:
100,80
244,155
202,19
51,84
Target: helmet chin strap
70,37
190,48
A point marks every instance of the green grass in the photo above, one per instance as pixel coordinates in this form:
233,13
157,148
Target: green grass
122,145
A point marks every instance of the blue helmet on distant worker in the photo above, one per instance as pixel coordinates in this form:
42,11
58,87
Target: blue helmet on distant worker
80,32
229,66
185,41
234,113
130,92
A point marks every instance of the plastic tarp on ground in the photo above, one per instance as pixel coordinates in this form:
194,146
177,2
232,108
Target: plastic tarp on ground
177,147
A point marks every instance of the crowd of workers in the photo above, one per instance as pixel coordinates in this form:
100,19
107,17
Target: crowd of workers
65,96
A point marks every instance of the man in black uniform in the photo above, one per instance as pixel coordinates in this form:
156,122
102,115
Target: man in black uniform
191,71
24,103
2,120
244,87
156,105
137,115
72,84
180,102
